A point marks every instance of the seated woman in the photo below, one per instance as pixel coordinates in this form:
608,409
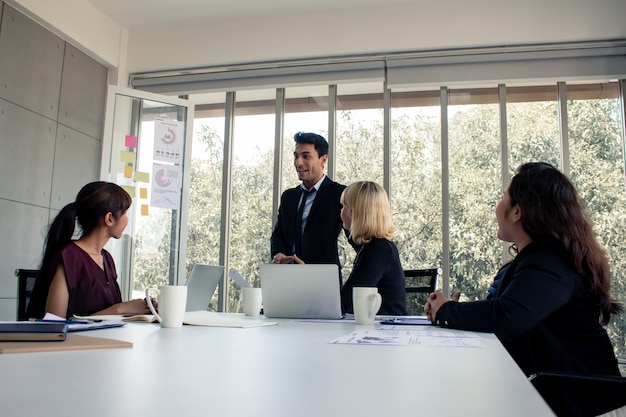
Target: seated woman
550,305
367,215
78,277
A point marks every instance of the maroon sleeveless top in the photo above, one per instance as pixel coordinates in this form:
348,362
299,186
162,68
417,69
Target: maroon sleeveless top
90,288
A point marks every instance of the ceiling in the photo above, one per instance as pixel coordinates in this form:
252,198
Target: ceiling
138,15
142,15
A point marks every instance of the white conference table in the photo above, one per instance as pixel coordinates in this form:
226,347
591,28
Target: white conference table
285,370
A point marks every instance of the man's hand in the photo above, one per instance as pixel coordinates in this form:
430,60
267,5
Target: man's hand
281,258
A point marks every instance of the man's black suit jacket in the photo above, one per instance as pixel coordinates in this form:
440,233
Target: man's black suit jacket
319,239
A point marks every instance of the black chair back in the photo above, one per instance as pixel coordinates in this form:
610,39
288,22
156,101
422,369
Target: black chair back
25,283
577,394
418,284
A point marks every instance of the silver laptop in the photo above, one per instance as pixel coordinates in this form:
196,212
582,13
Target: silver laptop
296,291
201,285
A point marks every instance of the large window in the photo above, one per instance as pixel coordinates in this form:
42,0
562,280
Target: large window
205,195
306,110
475,188
474,154
532,125
416,177
595,127
359,136
359,145
253,169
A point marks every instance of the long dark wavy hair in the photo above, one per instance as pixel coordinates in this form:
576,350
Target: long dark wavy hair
93,202
552,209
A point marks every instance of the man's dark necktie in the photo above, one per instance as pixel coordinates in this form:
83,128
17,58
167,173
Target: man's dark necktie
298,239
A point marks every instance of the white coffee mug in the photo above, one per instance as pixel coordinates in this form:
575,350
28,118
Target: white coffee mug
172,300
366,302
252,301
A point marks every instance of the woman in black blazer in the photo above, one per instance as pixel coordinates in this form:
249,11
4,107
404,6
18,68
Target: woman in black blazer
366,214
551,304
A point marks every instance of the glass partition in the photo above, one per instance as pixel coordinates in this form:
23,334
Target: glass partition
144,151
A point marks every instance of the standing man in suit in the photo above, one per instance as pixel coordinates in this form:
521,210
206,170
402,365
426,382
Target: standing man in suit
309,216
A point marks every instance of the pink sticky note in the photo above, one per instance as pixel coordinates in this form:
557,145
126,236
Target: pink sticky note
130,141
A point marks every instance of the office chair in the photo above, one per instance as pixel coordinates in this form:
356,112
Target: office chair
609,390
418,284
25,283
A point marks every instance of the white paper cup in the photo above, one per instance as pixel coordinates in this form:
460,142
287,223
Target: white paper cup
252,301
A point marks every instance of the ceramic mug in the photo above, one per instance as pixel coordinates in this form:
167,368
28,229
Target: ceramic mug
172,300
366,302
252,301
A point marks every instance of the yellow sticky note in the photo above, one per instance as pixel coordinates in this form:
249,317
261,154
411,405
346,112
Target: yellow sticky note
142,176
128,171
144,209
130,190
128,157
143,193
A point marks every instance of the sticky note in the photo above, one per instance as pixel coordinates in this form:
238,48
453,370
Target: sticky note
142,176
129,189
128,156
130,141
144,209
143,192
128,171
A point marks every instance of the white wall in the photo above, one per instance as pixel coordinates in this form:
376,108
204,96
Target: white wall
420,26
424,25
51,120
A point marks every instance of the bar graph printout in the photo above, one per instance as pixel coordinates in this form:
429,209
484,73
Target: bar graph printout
402,337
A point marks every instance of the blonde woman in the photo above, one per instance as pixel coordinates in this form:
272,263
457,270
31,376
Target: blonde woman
367,215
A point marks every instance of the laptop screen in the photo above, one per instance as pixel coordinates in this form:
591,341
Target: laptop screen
201,285
297,291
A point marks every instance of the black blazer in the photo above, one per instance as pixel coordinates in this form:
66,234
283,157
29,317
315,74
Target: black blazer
377,264
319,239
546,316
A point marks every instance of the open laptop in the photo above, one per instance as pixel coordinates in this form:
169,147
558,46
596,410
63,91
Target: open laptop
201,285
297,291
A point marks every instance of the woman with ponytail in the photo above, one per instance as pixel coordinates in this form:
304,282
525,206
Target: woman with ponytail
78,277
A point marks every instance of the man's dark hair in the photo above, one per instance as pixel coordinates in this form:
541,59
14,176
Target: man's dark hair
318,141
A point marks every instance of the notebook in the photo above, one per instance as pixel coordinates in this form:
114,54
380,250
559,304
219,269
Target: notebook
27,331
201,285
296,291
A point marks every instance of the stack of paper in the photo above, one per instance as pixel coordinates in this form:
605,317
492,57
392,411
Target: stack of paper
142,318
205,318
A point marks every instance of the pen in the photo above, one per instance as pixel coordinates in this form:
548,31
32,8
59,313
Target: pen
62,321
